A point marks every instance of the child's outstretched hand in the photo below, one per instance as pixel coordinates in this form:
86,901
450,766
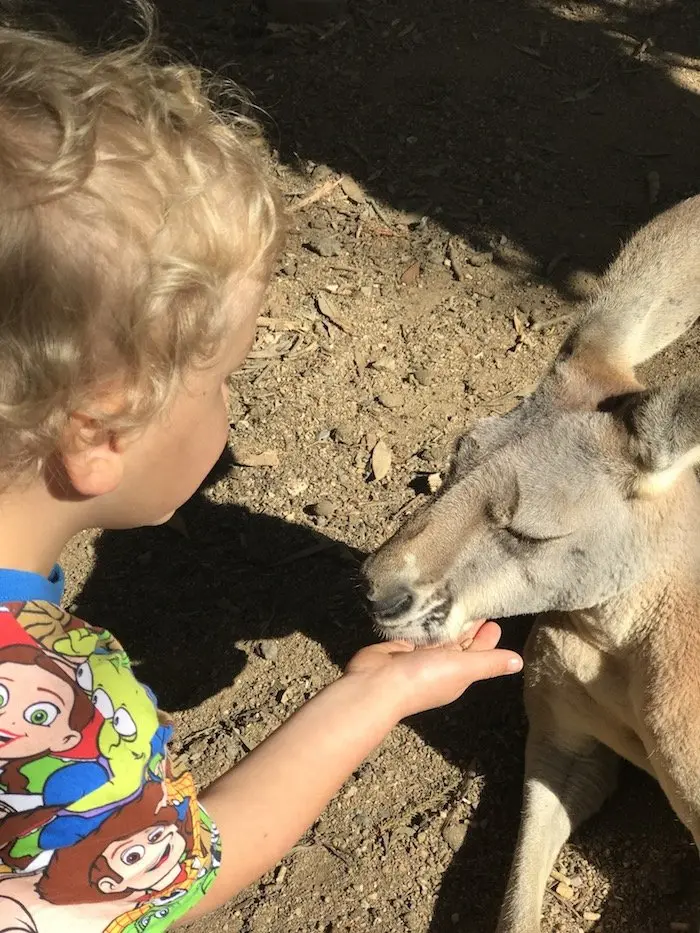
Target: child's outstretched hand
267,801
424,678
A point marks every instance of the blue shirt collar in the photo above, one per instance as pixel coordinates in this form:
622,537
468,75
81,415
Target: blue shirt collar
21,585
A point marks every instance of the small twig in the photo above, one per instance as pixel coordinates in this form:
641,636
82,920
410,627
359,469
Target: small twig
378,211
339,854
457,266
321,191
462,790
237,733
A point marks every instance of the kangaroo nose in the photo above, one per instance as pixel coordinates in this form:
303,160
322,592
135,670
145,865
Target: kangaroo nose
393,604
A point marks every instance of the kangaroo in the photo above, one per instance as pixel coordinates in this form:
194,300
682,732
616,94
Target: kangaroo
582,506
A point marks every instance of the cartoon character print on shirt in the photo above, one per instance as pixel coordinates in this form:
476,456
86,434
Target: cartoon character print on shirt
97,815
157,859
47,723
130,719
72,798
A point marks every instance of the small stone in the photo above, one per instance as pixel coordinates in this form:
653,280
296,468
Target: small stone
269,650
352,190
343,434
590,916
454,835
390,399
324,246
565,891
386,364
434,482
288,266
480,259
421,375
679,925
281,872
324,508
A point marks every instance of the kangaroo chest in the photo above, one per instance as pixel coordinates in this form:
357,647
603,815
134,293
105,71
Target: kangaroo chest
578,690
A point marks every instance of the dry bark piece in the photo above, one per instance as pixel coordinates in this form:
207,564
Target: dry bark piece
564,891
381,460
268,458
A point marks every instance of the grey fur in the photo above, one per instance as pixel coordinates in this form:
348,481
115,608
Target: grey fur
581,505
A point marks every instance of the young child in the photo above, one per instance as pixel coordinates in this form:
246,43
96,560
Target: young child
138,232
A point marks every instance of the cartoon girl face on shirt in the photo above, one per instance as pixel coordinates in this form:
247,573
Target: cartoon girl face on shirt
35,708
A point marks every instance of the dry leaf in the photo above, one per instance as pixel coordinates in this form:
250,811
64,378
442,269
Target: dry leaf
327,308
268,458
518,324
381,460
410,274
352,190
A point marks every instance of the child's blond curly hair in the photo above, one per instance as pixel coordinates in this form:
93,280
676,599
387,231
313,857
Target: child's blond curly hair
128,208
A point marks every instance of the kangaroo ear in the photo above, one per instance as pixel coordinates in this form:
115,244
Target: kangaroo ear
664,425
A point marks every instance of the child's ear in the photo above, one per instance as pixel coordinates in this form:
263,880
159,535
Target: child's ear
91,457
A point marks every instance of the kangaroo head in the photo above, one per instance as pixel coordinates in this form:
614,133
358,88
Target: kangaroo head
562,503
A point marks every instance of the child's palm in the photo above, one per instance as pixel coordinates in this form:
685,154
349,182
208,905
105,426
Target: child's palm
434,676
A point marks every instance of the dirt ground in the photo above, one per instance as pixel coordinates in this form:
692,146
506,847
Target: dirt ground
459,172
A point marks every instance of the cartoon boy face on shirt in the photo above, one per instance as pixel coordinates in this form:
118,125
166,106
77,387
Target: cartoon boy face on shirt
146,861
35,707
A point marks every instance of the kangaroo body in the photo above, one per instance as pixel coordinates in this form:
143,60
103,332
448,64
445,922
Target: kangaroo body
581,505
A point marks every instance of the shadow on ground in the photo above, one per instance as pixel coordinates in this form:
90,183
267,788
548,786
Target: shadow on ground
541,121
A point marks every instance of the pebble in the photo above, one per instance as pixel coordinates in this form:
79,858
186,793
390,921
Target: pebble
269,650
590,916
565,891
385,364
324,246
434,482
289,266
324,508
421,375
679,925
390,399
454,835
343,434
281,872
479,259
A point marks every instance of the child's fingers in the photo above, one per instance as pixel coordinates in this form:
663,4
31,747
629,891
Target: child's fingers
485,664
486,638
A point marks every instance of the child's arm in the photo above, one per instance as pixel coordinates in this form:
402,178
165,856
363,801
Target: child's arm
265,803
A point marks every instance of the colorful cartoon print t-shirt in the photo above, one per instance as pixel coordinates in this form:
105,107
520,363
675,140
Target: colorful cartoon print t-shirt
98,832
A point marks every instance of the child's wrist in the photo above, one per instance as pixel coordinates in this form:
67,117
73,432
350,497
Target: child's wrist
385,690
